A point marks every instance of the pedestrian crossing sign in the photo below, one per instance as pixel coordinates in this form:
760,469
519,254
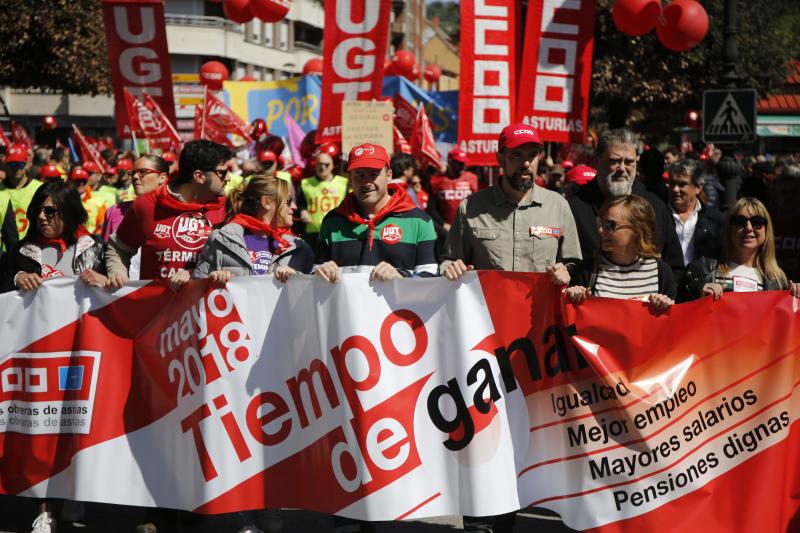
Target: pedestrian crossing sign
729,116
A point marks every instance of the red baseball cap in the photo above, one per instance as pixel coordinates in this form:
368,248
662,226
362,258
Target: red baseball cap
580,174
91,167
267,155
457,154
124,164
17,153
567,164
368,155
169,157
49,172
78,173
515,135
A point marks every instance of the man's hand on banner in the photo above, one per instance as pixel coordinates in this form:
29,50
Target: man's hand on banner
559,274
329,271
456,269
578,294
659,303
179,279
116,281
714,289
383,271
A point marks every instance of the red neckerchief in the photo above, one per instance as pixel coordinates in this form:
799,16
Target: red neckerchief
399,201
59,242
257,226
164,197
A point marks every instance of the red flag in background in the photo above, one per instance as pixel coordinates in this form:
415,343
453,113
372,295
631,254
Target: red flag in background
175,140
219,121
554,91
404,116
355,37
150,124
89,151
20,134
423,143
401,145
198,122
3,139
488,79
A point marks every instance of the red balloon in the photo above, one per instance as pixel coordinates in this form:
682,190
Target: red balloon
416,70
247,78
403,62
313,66
432,73
49,123
212,74
270,10
238,10
682,25
258,128
636,17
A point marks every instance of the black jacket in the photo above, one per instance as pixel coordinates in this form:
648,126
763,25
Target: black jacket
700,272
585,275
707,241
586,207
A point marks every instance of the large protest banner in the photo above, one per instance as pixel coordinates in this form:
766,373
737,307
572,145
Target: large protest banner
406,399
136,37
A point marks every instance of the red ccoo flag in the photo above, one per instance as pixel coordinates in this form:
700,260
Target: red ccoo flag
151,104
152,125
219,121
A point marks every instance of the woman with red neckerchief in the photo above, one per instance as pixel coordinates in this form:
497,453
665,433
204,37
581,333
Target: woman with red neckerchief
256,239
57,243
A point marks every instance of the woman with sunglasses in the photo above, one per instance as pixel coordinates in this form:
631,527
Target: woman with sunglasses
147,174
628,266
255,237
57,243
748,258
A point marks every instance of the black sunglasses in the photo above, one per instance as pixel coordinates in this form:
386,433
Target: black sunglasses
15,165
610,226
756,221
219,172
49,211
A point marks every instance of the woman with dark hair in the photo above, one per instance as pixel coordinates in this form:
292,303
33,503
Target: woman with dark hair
748,261
57,243
628,266
256,237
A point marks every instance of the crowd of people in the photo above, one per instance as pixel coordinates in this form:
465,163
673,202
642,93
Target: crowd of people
601,228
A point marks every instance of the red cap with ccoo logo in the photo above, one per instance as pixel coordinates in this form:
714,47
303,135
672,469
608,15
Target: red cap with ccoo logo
457,154
518,134
580,174
368,155
78,174
49,172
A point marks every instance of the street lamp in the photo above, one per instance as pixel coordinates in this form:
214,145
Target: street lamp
728,168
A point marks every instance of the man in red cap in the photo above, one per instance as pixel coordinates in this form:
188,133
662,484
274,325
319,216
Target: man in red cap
577,177
18,185
514,225
448,190
377,228
49,171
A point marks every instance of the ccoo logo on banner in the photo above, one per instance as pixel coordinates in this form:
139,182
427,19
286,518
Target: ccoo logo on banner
554,86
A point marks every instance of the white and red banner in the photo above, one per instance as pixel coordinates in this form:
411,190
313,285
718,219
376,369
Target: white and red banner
556,76
136,37
406,399
147,119
356,34
89,151
488,78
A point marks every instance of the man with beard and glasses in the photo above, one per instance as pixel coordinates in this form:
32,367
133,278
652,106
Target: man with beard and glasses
616,177
514,225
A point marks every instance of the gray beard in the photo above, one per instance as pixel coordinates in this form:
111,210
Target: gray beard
617,189
520,185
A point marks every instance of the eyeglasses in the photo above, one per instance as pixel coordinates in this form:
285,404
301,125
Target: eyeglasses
142,171
610,226
757,221
221,172
49,211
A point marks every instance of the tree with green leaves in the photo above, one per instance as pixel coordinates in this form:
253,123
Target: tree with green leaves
54,45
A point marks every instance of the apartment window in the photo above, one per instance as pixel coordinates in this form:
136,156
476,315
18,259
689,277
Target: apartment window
268,74
283,35
269,34
241,71
257,31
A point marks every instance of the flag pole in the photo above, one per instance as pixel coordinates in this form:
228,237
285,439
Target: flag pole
203,117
